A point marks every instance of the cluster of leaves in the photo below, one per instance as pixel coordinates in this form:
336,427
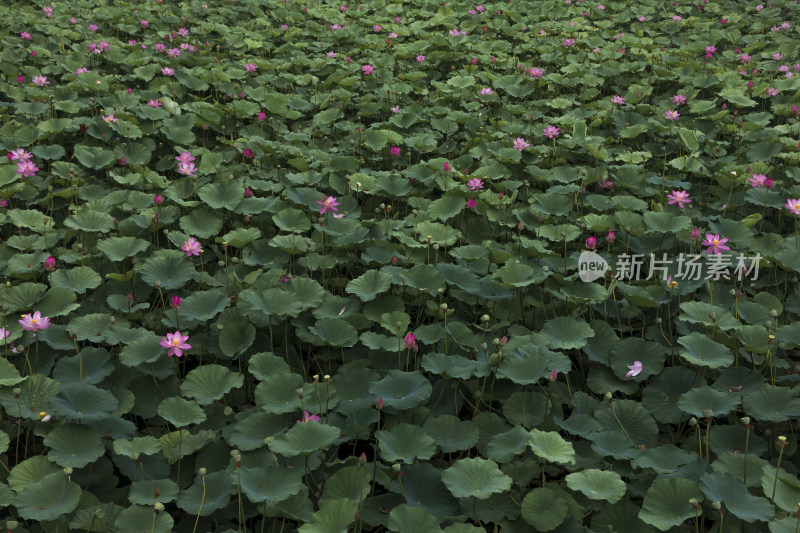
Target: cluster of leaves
371,263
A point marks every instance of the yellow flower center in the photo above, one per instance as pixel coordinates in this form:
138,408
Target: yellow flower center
175,342
716,241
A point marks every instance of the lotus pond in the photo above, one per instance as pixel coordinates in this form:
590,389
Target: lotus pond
412,266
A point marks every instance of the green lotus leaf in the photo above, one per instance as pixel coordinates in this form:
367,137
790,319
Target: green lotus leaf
90,221
7,496
270,483
402,390
304,438
201,306
544,509
772,404
666,503
139,445
549,446
785,493
350,482
221,194
277,394
90,367
567,333
170,268
334,516
598,484
369,285
121,248
49,498
405,442
504,446
264,364
731,491
738,463
131,519
272,302
252,428
202,222
83,403
235,338
9,375
621,516
180,412
23,296
179,444
451,434
291,219
241,237
422,487
30,471
93,157
407,518
208,383
629,419
660,396
78,279
530,364
701,313
145,350
74,445
526,409
208,495
475,477
332,332
763,151
150,492
702,399
699,350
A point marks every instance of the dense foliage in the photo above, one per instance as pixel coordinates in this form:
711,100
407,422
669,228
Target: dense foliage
295,265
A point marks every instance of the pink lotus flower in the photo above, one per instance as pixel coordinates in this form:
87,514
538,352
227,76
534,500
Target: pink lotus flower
521,144
678,99
4,333
679,197
248,153
3,202
793,205
471,204
745,58
551,132
155,104
716,245
20,79
144,23
611,237
618,100
446,166
635,369
81,70
19,154
486,91
27,169
568,42
695,234
261,116
48,11
183,32
331,54
606,184
676,18
328,204
93,28
158,199
187,169
308,417
710,50
395,151
535,72
109,119
250,67
50,264
185,157
420,58
669,114
175,343
166,71
591,243
191,247
760,181
367,69
411,342
175,301
376,28
34,322
475,184
40,81
25,36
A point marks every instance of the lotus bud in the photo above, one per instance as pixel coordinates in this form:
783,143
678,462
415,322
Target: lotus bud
496,341
135,456
379,404
768,324
235,452
732,292
362,458
483,346
495,359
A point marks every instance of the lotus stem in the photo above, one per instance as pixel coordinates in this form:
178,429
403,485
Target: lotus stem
781,445
202,500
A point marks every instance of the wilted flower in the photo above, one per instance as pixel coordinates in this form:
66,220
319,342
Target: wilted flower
34,322
679,197
634,370
191,247
716,245
328,204
175,343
